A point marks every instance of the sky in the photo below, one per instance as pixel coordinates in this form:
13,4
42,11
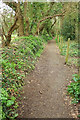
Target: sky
4,6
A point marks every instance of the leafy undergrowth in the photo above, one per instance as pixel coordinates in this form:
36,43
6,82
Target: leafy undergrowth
73,51
17,60
47,37
74,89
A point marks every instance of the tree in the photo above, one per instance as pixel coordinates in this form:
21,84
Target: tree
21,12
31,17
67,26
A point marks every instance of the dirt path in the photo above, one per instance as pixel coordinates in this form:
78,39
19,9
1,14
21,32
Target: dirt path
45,87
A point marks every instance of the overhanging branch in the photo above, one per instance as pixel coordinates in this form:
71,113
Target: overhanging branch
49,17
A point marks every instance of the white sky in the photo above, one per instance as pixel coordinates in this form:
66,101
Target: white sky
4,6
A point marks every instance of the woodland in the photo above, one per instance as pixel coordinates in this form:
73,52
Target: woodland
26,29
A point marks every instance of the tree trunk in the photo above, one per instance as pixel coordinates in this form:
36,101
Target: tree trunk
8,36
8,40
21,26
26,20
20,20
16,7
40,29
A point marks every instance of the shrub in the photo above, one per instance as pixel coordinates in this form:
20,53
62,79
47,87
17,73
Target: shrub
74,89
15,61
68,28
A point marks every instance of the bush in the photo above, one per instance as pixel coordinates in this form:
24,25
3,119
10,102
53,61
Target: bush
68,28
17,59
74,89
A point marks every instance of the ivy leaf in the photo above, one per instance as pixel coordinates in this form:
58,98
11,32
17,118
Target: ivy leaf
13,98
75,79
9,103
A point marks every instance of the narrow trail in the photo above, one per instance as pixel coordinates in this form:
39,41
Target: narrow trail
45,88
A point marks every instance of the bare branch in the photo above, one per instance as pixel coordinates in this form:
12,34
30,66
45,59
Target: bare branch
14,26
8,36
53,23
